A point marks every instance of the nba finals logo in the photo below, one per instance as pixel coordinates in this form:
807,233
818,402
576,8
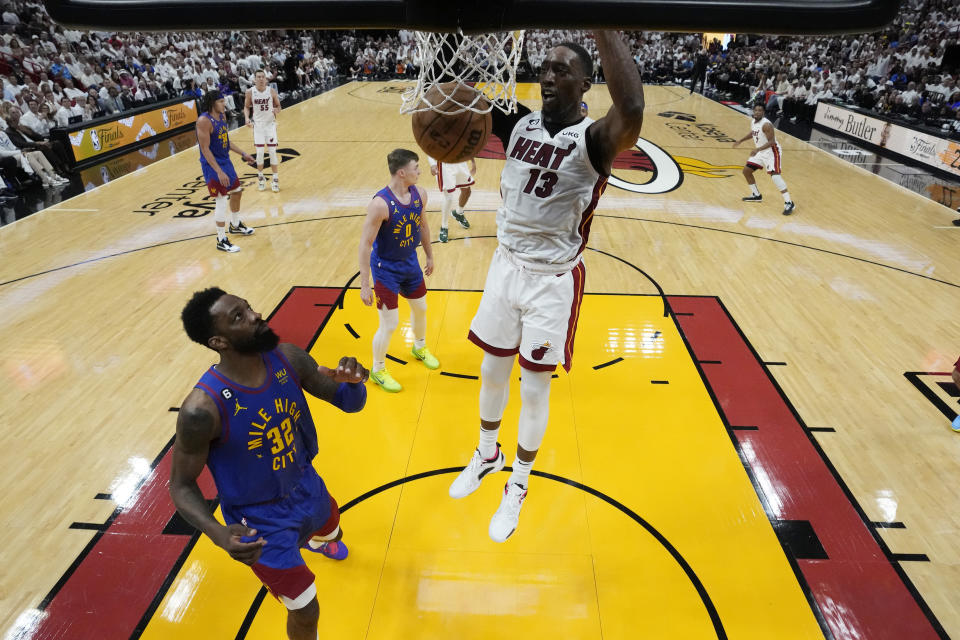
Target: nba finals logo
166,119
95,139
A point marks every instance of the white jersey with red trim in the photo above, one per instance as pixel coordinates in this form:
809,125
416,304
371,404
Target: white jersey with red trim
756,130
262,106
549,189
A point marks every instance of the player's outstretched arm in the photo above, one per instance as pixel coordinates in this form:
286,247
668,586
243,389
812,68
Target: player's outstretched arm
197,425
620,128
342,387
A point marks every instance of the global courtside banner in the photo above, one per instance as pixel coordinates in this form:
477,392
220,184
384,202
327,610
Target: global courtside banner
108,136
934,151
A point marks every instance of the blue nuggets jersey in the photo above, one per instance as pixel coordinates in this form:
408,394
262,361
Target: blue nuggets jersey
399,234
219,146
267,438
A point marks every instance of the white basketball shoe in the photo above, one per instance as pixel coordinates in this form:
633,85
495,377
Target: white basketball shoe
472,475
504,522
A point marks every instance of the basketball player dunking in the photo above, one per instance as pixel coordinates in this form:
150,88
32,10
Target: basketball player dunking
557,166
260,108
394,226
218,171
766,155
450,179
248,421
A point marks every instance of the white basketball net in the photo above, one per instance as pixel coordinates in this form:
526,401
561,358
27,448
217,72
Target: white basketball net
488,62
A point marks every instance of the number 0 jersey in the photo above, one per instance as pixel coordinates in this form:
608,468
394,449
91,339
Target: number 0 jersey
267,436
549,189
399,234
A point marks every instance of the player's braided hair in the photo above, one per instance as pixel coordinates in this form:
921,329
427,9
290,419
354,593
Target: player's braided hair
206,102
197,320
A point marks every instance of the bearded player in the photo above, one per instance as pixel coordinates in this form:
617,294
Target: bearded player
557,165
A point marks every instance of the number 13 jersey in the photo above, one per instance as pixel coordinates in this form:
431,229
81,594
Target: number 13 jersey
549,189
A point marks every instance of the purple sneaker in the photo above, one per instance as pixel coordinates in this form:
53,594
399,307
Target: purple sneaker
333,550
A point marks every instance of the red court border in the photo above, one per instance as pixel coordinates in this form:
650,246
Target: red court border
858,591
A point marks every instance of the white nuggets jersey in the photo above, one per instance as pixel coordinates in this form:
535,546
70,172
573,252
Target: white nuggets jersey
756,129
262,106
549,189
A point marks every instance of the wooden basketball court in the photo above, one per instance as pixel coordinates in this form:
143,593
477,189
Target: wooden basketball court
754,441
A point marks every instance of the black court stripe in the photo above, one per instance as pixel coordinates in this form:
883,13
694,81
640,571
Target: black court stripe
397,360
459,375
351,330
888,525
659,537
607,364
90,526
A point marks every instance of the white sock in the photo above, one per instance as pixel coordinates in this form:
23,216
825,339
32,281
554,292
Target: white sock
521,472
235,218
276,177
220,216
445,208
389,319
418,320
260,175
488,443
754,190
786,196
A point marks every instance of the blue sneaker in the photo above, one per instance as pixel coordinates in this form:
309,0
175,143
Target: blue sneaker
333,550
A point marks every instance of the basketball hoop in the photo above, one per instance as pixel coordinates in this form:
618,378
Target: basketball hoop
488,62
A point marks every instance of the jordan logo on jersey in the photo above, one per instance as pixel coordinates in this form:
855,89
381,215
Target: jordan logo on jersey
542,154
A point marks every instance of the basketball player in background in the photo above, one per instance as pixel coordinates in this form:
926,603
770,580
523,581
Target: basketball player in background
393,228
248,421
766,155
218,171
450,178
260,108
557,166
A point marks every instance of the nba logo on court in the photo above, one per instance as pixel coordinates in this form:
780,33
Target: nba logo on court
166,119
95,139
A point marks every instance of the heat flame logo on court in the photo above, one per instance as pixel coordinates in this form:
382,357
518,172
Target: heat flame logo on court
667,170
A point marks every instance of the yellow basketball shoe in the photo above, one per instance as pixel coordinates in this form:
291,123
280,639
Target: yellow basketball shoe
428,359
385,381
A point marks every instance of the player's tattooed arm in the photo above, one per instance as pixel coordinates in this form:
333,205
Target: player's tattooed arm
320,381
197,425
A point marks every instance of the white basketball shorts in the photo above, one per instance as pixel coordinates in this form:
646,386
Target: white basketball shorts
530,310
265,135
768,159
451,177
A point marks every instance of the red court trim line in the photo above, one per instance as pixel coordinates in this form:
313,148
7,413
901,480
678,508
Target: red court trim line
132,548
859,591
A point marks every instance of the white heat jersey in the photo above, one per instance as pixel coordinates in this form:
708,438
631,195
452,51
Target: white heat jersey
756,129
549,190
262,106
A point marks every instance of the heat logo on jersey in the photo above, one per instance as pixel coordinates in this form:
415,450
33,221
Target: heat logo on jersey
275,430
403,225
542,154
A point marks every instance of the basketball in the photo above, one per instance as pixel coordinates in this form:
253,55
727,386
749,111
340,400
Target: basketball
451,137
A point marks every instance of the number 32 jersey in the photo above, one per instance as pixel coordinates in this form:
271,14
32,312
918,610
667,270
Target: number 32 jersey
549,189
